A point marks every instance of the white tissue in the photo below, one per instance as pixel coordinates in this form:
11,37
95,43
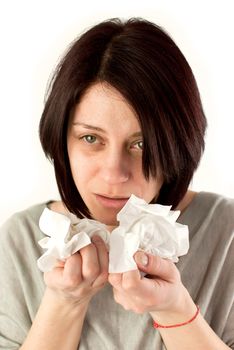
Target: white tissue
66,236
148,227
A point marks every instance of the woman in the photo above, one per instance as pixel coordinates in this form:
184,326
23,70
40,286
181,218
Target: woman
123,116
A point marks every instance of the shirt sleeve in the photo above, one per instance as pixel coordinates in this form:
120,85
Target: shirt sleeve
228,285
21,285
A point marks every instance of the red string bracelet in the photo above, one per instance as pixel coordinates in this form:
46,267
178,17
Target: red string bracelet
157,325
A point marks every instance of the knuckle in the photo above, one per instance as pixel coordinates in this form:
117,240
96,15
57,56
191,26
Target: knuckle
70,282
103,276
129,284
92,271
114,279
100,285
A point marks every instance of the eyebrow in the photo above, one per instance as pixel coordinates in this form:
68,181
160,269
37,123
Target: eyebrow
87,126
97,128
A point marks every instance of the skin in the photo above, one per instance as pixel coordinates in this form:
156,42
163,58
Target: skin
109,152
105,152
105,141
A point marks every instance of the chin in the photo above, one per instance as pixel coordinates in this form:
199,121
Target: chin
109,220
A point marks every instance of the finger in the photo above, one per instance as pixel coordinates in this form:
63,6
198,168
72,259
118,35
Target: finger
130,280
103,259
60,263
156,266
65,275
115,279
72,275
90,263
138,288
54,278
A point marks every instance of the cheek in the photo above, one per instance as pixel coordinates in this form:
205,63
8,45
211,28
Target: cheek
75,164
82,169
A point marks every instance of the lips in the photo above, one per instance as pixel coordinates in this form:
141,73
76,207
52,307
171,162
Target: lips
116,202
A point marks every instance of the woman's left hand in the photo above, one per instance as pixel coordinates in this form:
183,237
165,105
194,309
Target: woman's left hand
161,290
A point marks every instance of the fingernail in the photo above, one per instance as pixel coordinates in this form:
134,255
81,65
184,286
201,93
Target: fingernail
141,258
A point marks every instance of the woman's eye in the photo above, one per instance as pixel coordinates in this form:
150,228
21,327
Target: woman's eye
138,145
89,138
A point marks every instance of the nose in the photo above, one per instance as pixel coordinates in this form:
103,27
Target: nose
115,168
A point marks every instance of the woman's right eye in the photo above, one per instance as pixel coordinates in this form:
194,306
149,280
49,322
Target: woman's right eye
89,138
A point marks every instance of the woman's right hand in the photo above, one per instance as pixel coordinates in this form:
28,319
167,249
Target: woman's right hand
82,275
70,287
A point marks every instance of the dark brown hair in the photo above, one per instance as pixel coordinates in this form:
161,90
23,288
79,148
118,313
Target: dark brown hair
143,63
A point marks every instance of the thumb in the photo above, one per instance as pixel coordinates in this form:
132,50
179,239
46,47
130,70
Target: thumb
156,266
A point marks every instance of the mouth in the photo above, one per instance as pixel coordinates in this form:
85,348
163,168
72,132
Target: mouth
115,202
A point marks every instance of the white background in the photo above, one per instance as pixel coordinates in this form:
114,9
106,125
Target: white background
34,34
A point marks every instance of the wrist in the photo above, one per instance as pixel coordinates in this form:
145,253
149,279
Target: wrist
180,324
57,299
181,311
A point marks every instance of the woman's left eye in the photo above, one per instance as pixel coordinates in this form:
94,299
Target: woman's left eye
138,145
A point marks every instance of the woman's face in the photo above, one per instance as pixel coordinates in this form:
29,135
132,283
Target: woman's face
105,152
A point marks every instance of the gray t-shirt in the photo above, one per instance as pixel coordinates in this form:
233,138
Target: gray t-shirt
206,271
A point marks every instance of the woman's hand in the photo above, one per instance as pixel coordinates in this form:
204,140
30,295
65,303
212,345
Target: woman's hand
160,291
82,275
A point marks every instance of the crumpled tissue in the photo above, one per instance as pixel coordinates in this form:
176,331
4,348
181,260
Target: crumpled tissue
151,228
67,235
147,227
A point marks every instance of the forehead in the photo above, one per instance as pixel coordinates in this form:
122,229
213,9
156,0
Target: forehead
103,104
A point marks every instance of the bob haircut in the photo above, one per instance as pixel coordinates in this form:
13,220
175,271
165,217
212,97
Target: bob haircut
141,61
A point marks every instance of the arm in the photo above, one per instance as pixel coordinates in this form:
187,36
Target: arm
195,335
57,325
163,295
70,286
